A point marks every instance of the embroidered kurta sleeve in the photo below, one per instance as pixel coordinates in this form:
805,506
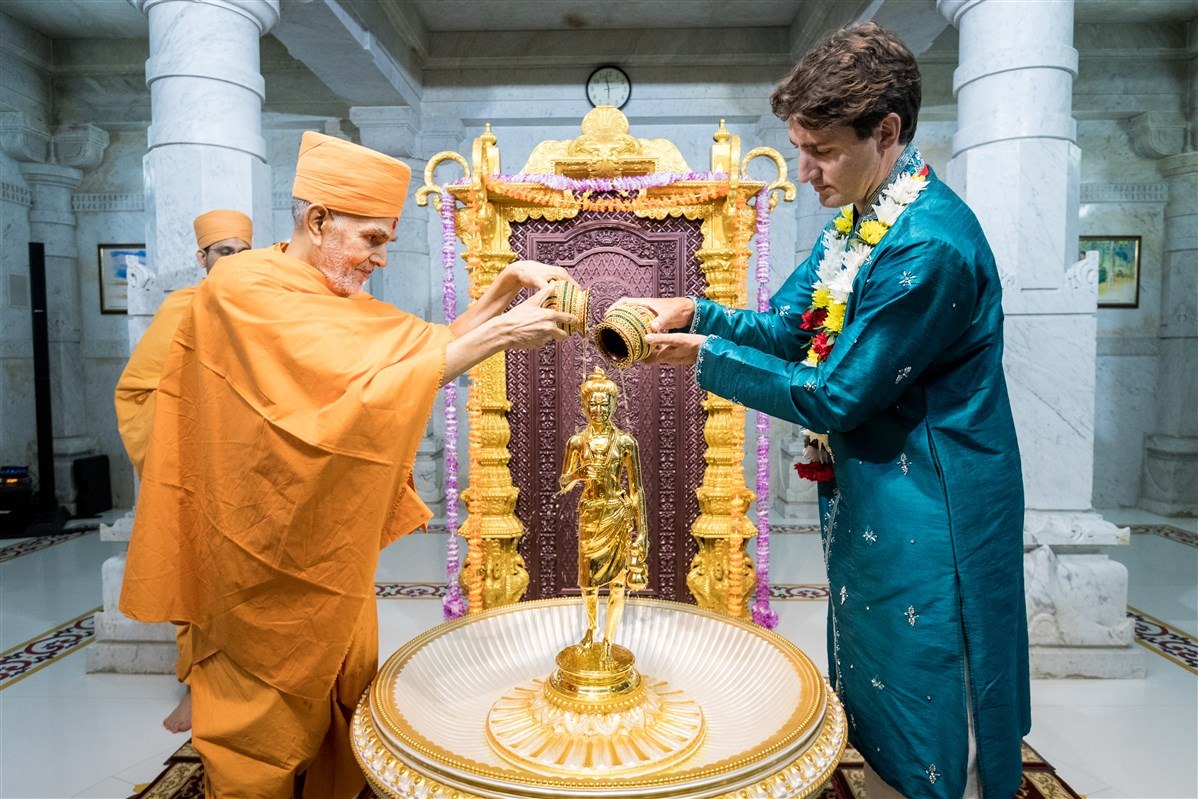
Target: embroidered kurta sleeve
917,301
777,331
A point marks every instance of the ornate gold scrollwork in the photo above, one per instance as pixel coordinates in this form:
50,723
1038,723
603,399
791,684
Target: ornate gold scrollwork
781,184
430,186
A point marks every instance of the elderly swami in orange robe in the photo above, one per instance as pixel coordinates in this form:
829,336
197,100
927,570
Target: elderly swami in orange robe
289,413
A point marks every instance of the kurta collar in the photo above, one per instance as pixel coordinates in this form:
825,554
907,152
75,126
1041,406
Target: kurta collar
906,159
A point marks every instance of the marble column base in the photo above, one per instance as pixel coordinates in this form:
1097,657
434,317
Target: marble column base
66,450
428,474
1170,482
122,644
1105,663
1077,613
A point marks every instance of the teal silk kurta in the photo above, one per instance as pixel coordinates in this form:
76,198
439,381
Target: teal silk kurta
923,526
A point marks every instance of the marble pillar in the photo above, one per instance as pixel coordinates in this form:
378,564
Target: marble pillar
53,164
205,151
1016,163
1170,481
411,280
796,501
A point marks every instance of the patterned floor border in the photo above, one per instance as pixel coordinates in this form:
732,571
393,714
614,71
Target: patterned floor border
40,651
1165,640
31,545
1167,531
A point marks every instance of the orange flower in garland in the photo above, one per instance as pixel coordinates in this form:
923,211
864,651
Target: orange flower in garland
555,198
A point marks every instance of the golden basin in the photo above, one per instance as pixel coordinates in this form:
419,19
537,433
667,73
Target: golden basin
773,727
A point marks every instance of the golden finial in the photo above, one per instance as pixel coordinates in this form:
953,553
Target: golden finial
722,135
488,136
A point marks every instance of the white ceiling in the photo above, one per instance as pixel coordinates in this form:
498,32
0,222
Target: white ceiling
80,19
516,15
1102,11
118,19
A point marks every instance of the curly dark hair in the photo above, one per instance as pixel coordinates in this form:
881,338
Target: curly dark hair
855,76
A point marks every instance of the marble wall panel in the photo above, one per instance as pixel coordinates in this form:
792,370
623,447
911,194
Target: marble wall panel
17,427
1126,380
25,57
1049,363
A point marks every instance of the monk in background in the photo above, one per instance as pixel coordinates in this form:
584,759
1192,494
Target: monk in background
218,234
280,460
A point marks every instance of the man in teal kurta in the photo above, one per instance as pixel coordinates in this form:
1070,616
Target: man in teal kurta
922,523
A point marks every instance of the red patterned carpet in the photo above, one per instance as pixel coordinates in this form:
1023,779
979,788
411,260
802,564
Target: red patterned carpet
184,779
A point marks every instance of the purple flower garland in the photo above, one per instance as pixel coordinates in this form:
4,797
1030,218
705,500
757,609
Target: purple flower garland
454,604
623,185
763,614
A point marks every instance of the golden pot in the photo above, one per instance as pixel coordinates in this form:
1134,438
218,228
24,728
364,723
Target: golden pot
569,297
621,335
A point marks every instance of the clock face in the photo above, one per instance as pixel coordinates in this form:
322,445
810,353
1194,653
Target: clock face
608,86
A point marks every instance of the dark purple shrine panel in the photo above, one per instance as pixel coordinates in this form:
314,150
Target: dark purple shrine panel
614,255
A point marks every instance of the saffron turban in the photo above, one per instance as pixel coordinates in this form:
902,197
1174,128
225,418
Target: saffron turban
350,178
219,225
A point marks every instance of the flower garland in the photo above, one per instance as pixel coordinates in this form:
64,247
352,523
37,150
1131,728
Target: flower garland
582,200
454,605
844,255
763,614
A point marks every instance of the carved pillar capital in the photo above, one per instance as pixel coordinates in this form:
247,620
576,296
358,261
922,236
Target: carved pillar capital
23,138
1157,134
394,130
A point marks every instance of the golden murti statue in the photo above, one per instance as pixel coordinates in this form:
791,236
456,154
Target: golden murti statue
596,715
608,515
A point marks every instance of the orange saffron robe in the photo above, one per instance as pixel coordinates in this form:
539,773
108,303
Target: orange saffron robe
138,384
280,464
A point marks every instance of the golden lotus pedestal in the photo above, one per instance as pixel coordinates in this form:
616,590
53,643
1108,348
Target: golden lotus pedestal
710,707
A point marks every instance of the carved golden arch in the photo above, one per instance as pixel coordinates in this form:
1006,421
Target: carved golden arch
721,576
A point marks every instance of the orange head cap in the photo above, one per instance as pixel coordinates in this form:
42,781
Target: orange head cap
350,178
222,224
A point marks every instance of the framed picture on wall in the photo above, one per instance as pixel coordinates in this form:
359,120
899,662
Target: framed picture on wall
115,262
1118,269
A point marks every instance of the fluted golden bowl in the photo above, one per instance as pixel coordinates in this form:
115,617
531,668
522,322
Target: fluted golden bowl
774,726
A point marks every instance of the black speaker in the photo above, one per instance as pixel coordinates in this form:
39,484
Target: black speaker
46,501
93,491
16,501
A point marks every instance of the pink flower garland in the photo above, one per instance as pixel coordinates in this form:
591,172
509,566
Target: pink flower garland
454,604
763,614
624,185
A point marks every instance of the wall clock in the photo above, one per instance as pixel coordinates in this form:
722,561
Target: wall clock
609,85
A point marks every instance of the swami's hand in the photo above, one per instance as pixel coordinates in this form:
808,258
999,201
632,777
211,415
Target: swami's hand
672,312
534,275
674,349
529,326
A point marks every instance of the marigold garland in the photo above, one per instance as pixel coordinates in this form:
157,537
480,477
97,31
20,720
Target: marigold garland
550,198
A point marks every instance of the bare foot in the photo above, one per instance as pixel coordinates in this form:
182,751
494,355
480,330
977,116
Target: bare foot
180,718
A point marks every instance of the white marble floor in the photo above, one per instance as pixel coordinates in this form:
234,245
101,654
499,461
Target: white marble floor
66,733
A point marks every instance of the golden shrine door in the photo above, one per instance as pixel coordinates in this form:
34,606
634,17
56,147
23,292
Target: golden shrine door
614,255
